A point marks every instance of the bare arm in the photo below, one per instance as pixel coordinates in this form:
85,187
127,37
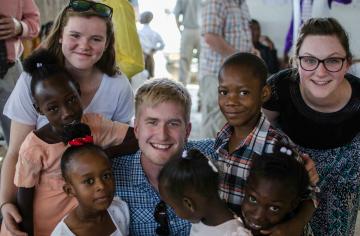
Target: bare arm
296,225
128,146
25,199
10,214
272,116
218,44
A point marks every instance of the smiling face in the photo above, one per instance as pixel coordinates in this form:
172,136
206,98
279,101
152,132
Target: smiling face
91,181
161,130
240,97
321,83
266,203
58,99
83,41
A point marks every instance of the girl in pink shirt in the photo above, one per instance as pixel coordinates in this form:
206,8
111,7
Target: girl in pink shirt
38,174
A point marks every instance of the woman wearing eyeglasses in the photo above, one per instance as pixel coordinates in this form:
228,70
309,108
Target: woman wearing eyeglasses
83,40
318,106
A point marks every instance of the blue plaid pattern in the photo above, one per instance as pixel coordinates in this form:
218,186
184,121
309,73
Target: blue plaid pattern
234,167
133,187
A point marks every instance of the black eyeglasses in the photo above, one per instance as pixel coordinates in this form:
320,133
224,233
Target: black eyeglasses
162,219
332,64
83,5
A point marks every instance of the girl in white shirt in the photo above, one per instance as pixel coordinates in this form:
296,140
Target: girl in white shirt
190,186
88,177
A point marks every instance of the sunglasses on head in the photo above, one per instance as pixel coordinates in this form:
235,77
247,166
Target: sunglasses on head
162,219
84,5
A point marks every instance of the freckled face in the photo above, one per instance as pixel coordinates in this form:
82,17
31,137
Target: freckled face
83,41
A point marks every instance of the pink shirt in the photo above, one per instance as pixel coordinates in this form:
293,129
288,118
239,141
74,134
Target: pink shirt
39,166
28,14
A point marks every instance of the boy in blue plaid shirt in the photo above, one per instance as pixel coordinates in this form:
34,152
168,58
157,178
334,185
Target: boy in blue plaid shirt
241,93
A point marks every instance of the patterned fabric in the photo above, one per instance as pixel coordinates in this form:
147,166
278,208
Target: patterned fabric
3,59
234,167
133,187
230,20
333,141
339,172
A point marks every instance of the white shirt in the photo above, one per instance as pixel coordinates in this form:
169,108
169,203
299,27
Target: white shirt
233,227
119,213
114,99
150,40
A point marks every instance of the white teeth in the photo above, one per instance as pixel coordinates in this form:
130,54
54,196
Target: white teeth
161,146
254,226
321,82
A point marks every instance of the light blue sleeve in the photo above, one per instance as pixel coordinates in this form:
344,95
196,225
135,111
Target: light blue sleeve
125,107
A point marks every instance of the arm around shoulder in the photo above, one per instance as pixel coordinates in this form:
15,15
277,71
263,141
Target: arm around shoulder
10,213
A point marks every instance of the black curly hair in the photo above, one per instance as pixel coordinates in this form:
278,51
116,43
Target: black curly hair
283,165
70,153
43,65
193,171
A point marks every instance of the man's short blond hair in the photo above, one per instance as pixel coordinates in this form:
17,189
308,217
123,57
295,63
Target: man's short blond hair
156,91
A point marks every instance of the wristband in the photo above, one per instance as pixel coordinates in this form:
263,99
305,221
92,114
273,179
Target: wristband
3,204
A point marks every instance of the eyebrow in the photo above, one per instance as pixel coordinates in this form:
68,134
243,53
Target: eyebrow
328,56
77,32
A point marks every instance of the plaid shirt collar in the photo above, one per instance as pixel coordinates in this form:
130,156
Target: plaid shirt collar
259,133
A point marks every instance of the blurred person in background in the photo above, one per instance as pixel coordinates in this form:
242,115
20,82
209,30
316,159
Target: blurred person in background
265,46
18,19
187,16
150,40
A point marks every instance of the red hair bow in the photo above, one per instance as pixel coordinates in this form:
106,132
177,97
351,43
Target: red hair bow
81,141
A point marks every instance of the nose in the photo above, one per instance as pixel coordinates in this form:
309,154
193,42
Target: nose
84,44
321,70
163,132
232,99
99,185
66,113
259,214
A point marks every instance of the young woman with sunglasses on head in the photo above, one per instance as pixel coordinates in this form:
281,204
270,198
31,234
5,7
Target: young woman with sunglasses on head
317,106
83,40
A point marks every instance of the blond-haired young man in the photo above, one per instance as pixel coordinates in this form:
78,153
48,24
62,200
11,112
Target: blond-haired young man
162,127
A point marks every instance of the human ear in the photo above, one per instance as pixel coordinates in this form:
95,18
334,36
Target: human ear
188,130
265,93
68,189
188,203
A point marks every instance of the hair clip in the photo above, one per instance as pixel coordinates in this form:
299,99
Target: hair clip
39,64
212,165
286,151
81,141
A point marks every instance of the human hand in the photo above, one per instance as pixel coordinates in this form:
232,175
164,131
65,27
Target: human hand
9,27
291,227
266,41
310,168
255,52
11,219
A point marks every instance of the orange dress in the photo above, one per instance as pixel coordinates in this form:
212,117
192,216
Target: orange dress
39,166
